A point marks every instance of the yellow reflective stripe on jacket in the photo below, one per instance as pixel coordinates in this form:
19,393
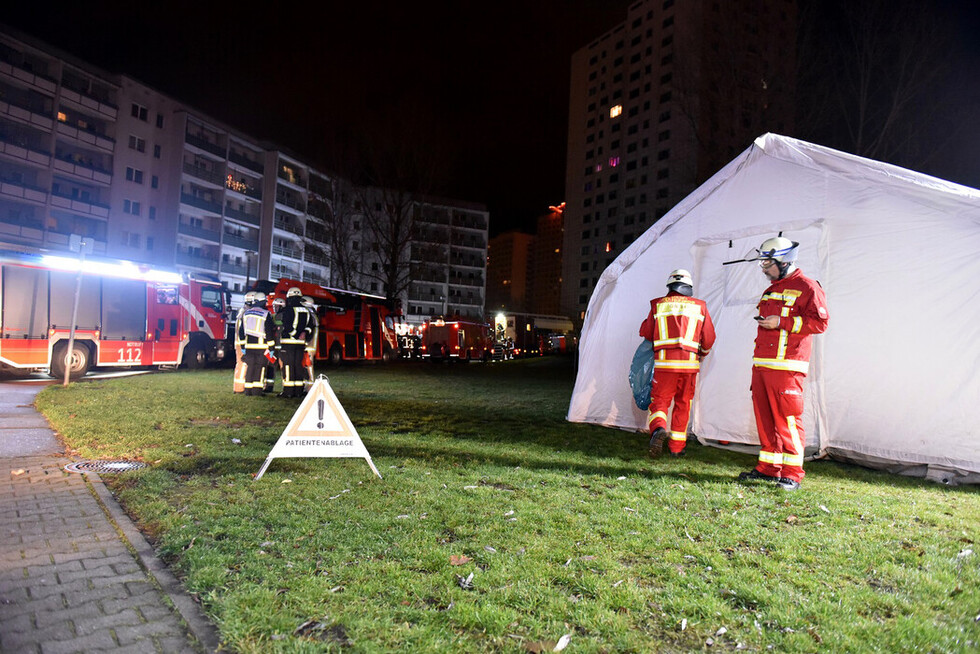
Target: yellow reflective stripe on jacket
782,364
797,325
673,364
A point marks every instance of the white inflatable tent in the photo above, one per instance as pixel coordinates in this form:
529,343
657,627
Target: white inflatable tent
894,383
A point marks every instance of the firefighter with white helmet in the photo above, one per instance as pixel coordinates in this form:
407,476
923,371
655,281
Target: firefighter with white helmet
311,338
682,333
278,304
257,331
238,380
297,321
791,310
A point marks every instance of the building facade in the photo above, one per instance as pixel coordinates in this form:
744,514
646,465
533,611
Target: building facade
657,105
146,178
507,271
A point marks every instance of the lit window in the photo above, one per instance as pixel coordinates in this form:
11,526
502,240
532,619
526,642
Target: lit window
615,111
613,162
62,117
608,246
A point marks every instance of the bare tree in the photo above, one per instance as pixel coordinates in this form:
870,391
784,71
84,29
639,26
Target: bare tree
344,235
869,72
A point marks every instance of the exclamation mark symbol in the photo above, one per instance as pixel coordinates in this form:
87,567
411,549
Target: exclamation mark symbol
319,410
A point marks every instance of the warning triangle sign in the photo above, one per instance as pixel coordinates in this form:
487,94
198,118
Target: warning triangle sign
320,428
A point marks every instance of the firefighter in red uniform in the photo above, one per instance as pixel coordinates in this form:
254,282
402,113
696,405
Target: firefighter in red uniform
682,333
258,332
792,308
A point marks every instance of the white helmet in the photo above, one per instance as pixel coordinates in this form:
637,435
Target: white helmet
278,303
294,292
258,298
250,298
680,276
779,249
307,302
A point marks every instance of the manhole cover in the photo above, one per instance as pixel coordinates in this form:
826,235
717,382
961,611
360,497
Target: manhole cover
104,466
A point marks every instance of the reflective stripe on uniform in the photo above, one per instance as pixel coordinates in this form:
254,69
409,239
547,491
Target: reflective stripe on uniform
678,436
773,458
782,364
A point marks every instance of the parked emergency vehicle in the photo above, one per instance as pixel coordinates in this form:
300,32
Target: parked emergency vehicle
456,339
128,315
352,327
528,334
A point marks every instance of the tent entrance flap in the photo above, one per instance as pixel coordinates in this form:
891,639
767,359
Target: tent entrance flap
732,293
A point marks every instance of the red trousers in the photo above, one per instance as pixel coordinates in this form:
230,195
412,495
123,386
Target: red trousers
777,397
677,387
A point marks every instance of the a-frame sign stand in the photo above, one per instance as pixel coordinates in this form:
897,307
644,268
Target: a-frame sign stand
320,428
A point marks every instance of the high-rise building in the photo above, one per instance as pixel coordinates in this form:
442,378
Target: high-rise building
657,105
544,285
508,273
143,177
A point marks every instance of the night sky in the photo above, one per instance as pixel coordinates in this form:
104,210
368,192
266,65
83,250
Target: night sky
483,85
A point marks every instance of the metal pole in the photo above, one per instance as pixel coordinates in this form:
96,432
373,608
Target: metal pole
74,314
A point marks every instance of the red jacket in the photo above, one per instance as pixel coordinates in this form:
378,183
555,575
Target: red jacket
801,306
681,330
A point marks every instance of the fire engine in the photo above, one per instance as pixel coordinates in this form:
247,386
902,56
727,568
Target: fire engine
456,339
352,327
128,315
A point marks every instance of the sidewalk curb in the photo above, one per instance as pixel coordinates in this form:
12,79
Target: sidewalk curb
189,611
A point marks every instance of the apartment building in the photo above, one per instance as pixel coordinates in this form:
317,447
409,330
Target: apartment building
508,272
657,105
147,178
448,260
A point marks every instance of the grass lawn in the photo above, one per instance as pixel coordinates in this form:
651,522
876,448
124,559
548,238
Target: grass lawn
500,527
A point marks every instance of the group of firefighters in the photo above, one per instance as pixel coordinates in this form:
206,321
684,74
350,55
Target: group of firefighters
792,309
284,338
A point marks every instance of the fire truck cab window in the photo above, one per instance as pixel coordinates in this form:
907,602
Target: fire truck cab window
166,295
211,298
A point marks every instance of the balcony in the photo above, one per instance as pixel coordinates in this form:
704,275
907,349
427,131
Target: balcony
79,206
292,253
12,188
278,270
312,277
14,146
316,257
289,227
85,136
240,242
232,268
200,203
243,216
201,143
86,168
196,261
291,202
37,80
212,176
30,111
103,106
199,232
245,162
243,187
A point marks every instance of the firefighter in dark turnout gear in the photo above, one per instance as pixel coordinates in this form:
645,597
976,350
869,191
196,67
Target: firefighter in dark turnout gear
297,322
258,332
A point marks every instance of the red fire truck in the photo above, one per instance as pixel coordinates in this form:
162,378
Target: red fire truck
456,339
353,326
128,315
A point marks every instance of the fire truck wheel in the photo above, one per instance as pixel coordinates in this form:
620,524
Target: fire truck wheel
77,363
386,354
336,355
194,356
